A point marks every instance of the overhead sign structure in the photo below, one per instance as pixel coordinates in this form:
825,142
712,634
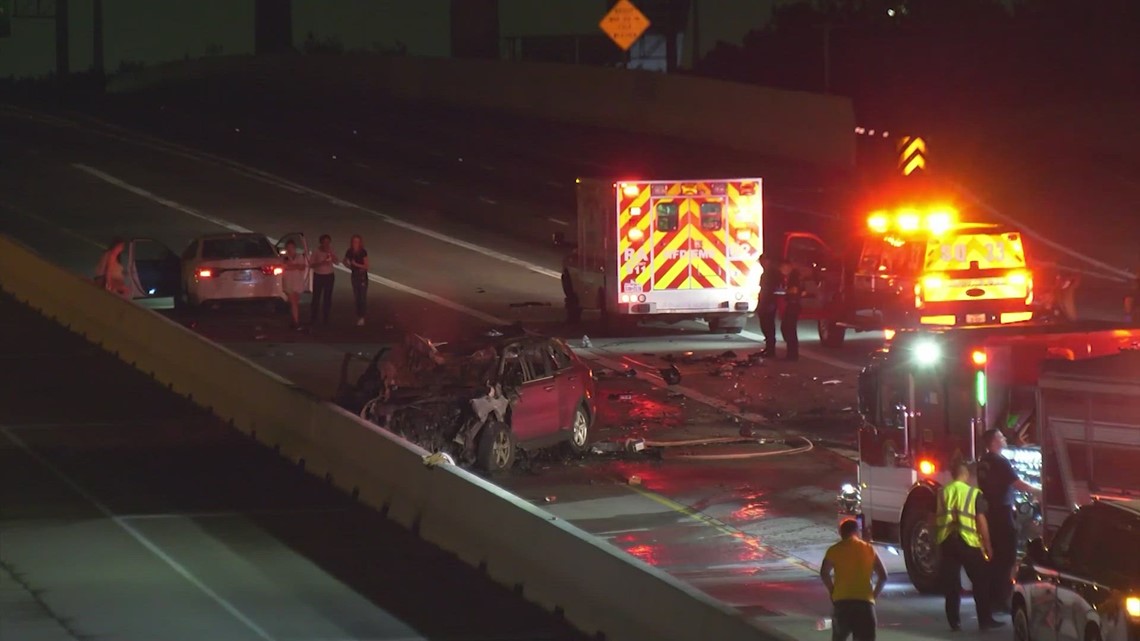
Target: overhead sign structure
624,24
912,154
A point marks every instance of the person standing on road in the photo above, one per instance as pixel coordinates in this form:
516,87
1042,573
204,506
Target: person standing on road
846,573
357,260
768,303
322,261
293,281
109,270
964,539
997,479
789,321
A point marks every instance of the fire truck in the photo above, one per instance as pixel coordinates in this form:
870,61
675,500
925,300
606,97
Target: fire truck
929,394
668,250
923,266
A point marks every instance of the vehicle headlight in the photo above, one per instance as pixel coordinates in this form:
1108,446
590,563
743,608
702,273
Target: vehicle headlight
1132,607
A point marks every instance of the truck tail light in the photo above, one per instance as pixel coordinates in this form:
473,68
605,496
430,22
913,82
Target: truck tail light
933,282
978,356
205,272
926,467
1018,278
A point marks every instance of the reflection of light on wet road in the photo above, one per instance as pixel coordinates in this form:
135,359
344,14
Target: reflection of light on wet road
751,511
644,552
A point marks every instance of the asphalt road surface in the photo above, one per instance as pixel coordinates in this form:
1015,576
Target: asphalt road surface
747,530
129,514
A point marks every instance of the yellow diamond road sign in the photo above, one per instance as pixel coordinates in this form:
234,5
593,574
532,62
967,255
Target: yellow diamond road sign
624,24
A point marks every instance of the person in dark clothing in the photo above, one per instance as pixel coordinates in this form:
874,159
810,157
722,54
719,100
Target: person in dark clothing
322,261
768,303
790,319
357,260
997,480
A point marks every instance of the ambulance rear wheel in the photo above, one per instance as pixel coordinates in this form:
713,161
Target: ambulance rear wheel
831,334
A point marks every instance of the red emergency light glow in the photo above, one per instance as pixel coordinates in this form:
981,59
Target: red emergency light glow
630,190
926,467
979,357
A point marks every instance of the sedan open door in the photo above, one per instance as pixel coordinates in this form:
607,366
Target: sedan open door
153,273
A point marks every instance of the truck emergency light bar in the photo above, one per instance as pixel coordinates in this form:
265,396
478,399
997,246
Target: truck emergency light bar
937,220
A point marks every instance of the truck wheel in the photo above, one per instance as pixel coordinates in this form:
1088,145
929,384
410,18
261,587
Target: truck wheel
831,334
920,549
496,449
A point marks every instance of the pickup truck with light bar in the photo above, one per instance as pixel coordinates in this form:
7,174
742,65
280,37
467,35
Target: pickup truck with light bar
925,267
927,397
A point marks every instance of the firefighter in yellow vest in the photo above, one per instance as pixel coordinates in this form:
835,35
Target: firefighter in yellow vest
964,539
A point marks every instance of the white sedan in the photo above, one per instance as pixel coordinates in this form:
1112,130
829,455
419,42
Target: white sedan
223,267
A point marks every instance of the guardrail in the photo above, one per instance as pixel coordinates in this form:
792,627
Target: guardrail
595,586
814,128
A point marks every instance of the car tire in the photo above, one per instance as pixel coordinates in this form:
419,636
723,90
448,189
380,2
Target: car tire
831,334
496,449
580,430
1021,623
920,549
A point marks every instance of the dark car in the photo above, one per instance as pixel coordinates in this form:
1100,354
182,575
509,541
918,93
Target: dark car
1086,585
481,399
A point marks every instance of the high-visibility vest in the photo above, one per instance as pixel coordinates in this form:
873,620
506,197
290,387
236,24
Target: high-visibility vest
958,512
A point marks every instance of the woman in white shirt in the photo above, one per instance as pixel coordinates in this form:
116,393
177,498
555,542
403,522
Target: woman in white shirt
293,281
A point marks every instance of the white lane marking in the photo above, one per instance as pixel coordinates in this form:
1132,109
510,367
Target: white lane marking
362,165
224,514
38,426
20,211
559,222
421,181
139,191
809,353
488,200
139,537
407,289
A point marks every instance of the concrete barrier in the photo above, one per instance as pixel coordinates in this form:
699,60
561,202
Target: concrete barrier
598,588
807,127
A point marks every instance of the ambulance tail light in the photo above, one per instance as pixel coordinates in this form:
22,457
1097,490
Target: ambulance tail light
926,467
629,190
636,235
978,357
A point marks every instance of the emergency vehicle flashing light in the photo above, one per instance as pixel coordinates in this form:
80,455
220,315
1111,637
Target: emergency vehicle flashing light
927,352
926,467
1132,606
978,357
937,220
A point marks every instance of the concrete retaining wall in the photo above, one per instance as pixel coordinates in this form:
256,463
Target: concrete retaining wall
597,587
796,125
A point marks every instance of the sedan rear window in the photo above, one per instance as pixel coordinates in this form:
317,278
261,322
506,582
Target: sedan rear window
243,247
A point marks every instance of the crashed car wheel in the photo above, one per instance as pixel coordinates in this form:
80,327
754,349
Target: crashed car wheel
496,448
580,431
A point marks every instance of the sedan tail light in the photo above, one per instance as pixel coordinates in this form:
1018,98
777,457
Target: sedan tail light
272,270
205,273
